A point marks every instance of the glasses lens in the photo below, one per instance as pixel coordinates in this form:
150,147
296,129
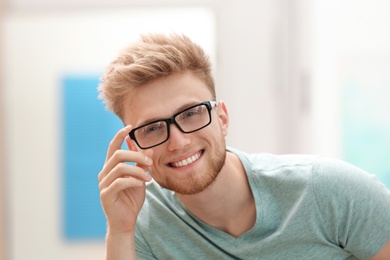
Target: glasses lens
193,118
152,134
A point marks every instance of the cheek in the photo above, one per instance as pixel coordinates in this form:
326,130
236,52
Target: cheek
153,170
157,174
156,161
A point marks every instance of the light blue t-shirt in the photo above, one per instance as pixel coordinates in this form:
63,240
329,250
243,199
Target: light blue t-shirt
308,207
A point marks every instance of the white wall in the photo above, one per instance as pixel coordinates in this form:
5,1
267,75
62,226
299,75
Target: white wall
2,152
341,33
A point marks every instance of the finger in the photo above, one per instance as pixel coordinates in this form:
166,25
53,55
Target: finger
117,141
110,194
148,159
148,152
124,170
121,156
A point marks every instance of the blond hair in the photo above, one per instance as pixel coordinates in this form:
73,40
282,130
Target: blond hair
154,56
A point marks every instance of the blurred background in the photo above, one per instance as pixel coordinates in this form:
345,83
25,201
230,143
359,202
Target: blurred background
298,76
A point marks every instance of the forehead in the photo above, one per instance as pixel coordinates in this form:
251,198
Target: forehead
164,97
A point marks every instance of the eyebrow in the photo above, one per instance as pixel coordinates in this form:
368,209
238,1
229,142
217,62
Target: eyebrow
179,109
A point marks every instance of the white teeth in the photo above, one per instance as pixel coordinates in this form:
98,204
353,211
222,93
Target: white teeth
187,161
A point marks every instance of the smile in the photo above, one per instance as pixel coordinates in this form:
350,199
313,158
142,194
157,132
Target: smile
187,161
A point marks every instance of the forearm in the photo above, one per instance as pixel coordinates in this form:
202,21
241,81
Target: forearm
120,246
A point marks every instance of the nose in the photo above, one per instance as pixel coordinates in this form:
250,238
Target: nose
177,139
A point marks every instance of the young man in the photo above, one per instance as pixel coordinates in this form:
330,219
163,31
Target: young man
188,196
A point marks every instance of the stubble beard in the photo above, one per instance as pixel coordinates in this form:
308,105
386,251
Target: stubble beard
198,182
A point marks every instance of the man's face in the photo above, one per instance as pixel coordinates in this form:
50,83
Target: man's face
203,150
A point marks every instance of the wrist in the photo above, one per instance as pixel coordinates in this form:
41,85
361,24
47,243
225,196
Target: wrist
120,229
115,234
120,245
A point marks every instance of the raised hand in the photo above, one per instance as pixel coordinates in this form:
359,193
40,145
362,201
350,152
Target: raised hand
122,185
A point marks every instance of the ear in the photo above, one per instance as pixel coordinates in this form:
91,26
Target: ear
223,117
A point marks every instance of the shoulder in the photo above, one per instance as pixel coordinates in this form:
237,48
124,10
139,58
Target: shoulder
345,179
270,162
320,168
278,167
327,178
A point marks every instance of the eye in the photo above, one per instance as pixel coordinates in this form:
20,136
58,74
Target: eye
153,128
188,114
192,112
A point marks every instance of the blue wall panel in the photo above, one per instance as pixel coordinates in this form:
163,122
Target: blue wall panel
87,130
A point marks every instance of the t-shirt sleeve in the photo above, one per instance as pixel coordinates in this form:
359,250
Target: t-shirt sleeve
354,205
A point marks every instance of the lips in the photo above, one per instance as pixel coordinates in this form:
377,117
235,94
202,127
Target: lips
186,161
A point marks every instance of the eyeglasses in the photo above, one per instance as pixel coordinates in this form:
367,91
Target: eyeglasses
188,121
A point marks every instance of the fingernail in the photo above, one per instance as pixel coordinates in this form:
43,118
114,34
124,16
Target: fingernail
148,160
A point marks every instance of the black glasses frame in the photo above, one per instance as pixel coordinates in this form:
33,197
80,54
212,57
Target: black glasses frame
209,105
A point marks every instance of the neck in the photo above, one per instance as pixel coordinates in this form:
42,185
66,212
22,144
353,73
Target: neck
228,203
